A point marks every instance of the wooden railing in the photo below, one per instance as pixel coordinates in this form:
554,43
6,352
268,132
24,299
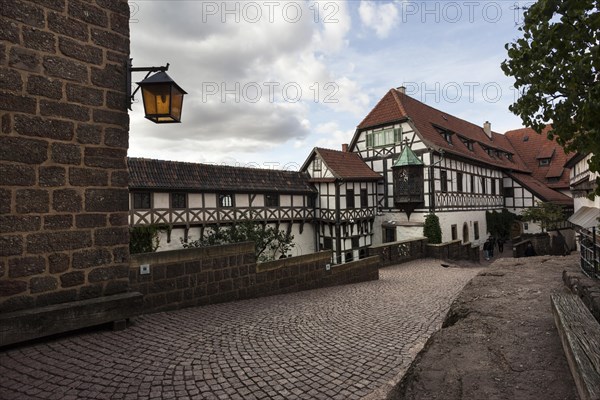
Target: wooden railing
201,216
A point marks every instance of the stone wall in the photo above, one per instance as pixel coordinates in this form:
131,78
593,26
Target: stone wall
454,250
400,252
586,288
63,147
192,277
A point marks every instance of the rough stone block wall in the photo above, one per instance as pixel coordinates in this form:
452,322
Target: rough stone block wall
586,288
192,277
63,146
399,252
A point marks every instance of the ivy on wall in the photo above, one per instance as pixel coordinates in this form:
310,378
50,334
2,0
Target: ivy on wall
144,239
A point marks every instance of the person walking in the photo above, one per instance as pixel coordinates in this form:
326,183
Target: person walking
486,249
500,245
529,250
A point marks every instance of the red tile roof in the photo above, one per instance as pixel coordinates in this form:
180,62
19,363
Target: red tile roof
541,190
174,175
533,146
396,106
347,166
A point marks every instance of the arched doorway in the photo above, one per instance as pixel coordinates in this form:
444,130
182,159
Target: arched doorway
465,233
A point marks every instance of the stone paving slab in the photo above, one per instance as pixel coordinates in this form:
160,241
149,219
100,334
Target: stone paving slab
344,342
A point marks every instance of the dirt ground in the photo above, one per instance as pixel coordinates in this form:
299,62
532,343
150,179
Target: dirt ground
499,340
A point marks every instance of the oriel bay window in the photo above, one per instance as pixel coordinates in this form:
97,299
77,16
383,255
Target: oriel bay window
141,201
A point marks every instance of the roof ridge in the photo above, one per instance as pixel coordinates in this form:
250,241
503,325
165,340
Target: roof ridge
224,166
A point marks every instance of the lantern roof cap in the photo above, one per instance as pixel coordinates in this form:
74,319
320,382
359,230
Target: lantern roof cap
407,157
161,77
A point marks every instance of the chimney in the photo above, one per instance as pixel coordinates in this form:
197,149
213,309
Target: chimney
487,128
401,89
345,147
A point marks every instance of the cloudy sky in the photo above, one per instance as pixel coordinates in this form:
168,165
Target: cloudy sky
268,81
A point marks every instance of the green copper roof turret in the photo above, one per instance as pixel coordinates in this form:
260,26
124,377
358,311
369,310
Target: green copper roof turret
407,157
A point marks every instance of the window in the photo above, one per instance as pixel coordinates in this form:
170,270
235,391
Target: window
544,162
389,235
311,200
472,183
349,198
483,185
454,232
509,192
355,242
459,182
493,185
317,164
225,200
444,181
468,143
509,156
348,257
327,243
364,198
178,200
476,230
525,226
384,137
271,200
141,201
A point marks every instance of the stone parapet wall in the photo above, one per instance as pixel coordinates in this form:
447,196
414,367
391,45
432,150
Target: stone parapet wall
400,252
63,146
586,288
454,250
193,277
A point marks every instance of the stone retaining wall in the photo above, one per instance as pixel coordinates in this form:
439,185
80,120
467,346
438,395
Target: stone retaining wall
586,288
192,277
400,252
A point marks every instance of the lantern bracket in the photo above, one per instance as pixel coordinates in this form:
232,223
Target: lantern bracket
131,69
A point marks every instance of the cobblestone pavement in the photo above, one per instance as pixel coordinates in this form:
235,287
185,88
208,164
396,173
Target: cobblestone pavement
337,343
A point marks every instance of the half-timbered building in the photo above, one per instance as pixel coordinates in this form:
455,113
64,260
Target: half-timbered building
406,160
191,198
466,170
583,183
347,202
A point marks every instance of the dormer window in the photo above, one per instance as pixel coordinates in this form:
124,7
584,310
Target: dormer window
544,162
509,156
446,134
468,143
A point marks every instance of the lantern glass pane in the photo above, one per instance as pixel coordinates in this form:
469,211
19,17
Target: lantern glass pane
156,99
177,103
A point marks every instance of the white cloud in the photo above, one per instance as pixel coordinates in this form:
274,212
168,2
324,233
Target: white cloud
380,17
332,136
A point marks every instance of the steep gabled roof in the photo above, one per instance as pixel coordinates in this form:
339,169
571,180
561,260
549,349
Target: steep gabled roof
532,147
175,175
541,190
344,165
430,122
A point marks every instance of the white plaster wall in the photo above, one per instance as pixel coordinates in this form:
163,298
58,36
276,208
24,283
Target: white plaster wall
211,200
161,200
242,200
285,200
195,200
447,219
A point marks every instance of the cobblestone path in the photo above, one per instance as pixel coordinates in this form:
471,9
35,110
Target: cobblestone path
337,343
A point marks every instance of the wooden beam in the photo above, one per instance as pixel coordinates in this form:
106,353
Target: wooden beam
580,336
20,326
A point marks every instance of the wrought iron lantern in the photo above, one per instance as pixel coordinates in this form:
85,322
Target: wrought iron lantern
162,96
